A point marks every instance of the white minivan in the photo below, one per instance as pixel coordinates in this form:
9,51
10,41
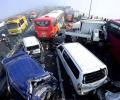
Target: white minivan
85,70
32,46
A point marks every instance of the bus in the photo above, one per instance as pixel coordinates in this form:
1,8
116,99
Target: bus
47,26
17,25
113,30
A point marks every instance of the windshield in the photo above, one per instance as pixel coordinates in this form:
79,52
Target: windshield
12,25
33,47
43,23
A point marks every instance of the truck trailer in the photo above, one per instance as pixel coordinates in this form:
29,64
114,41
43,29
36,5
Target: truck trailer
89,30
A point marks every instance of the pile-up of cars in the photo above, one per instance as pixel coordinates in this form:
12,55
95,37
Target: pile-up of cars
29,79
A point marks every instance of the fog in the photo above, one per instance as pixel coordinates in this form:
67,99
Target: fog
102,8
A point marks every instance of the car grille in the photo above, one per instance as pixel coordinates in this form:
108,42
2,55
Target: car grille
95,76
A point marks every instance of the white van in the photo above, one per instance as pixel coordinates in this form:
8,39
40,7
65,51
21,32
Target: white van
32,45
85,70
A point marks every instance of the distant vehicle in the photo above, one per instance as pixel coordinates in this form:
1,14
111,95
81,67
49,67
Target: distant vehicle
48,25
2,23
88,30
17,25
86,71
33,46
33,15
113,30
2,26
69,17
27,79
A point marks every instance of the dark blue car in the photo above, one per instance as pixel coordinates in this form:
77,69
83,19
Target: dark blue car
28,78
2,80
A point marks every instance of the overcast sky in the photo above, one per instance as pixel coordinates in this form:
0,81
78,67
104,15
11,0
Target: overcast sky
102,8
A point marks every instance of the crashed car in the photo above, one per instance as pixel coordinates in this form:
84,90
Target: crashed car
2,80
28,78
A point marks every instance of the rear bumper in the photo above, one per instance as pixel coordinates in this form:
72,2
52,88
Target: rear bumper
91,87
45,36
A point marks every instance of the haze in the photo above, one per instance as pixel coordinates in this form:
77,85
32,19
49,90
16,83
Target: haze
102,8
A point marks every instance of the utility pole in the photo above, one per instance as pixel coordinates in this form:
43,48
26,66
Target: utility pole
90,8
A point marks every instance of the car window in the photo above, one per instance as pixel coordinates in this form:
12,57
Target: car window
71,65
43,23
33,47
12,25
21,21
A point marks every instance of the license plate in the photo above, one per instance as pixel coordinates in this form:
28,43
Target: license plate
43,34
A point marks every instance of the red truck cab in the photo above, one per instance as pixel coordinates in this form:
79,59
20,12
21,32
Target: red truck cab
46,27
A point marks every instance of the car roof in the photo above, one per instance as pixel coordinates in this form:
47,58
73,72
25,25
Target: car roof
44,18
54,13
30,41
83,58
